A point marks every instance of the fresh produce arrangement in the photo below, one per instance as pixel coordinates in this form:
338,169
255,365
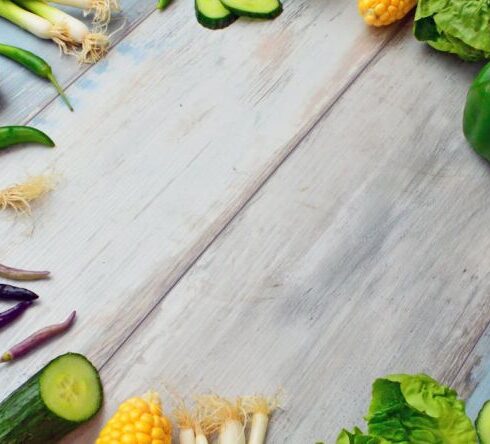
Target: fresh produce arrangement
63,395
459,27
218,14
68,391
15,135
384,12
38,338
36,65
18,197
138,420
18,274
417,409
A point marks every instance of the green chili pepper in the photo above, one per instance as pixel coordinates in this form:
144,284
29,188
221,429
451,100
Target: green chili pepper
476,120
162,4
15,135
36,65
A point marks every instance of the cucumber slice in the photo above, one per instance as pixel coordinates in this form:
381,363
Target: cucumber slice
266,9
483,424
63,395
213,15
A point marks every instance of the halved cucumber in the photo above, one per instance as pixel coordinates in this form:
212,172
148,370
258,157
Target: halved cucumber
483,424
213,15
266,9
63,395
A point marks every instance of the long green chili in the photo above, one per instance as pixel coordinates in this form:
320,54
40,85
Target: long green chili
36,65
15,135
162,4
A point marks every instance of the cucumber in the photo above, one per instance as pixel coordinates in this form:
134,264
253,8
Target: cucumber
483,424
266,9
63,395
213,15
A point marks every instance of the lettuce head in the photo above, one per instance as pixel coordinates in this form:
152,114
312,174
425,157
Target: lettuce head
416,409
461,27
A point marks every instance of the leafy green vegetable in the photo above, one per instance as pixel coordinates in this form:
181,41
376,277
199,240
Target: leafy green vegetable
417,409
455,26
357,437
413,409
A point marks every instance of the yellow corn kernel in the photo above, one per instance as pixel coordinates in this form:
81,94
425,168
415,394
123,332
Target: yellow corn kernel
384,12
138,421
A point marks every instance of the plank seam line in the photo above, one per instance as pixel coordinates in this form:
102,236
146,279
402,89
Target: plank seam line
78,76
470,352
291,147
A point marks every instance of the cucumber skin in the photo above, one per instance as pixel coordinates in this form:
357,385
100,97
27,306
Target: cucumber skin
261,15
478,419
214,24
25,418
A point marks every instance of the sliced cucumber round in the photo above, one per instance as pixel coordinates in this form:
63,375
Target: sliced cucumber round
265,9
70,387
483,424
213,15
63,395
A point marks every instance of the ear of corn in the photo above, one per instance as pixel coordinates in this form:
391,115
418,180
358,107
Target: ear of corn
384,12
138,421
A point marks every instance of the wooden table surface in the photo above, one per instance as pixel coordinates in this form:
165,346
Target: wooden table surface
280,204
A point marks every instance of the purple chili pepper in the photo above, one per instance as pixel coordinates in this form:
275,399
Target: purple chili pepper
10,292
13,313
38,338
18,274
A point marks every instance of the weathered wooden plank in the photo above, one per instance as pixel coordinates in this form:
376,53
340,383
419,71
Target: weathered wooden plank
172,135
365,254
22,94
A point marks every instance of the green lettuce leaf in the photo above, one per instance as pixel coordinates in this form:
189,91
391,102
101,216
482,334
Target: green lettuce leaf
357,437
456,26
416,409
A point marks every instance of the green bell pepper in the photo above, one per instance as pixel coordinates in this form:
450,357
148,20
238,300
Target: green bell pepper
476,119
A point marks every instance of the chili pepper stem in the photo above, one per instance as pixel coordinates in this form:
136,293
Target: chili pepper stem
58,88
6,357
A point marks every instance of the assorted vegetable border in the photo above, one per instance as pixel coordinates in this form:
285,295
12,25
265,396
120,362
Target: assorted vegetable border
68,391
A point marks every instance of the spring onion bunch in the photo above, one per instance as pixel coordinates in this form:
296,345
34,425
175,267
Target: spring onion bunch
32,23
94,45
101,9
194,427
47,22
229,417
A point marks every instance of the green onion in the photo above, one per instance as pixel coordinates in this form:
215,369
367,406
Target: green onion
101,9
75,33
28,21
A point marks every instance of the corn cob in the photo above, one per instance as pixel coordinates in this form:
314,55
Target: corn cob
138,421
384,12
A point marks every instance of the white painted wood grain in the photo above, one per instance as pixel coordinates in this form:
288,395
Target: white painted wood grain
172,134
365,254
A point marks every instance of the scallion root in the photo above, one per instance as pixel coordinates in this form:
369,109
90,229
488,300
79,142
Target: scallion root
95,46
229,417
102,10
19,196
185,423
60,34
260,408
